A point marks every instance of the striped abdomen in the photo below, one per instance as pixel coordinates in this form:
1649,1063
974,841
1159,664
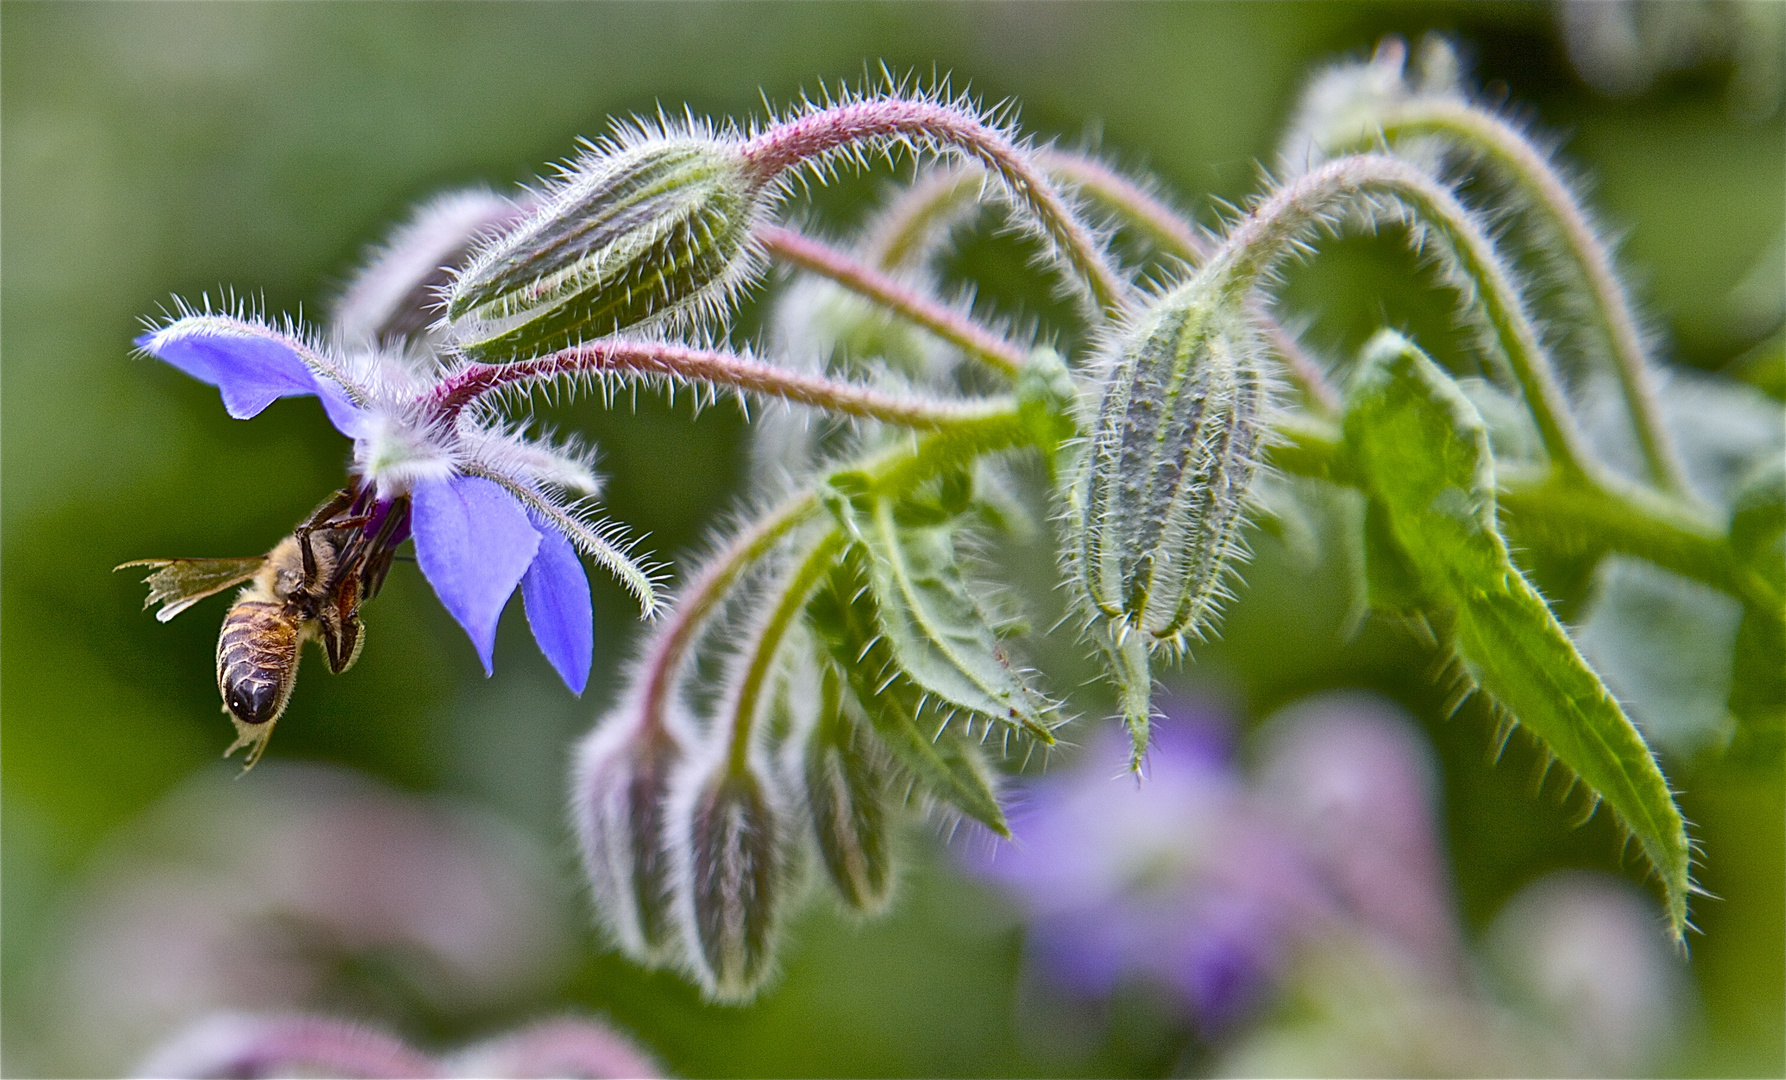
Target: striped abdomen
257,660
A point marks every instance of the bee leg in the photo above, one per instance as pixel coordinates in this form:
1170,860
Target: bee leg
338,502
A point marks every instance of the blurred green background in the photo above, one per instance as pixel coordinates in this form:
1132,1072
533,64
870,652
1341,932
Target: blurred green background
162,148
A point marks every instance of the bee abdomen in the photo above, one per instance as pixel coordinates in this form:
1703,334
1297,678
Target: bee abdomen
257,660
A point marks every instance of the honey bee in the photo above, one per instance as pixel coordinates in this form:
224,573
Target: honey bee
308,588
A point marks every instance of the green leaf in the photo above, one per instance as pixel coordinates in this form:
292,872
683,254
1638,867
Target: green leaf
938,635
1391,583
1422,451
910,722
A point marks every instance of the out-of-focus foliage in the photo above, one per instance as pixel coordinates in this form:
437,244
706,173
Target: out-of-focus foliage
154,149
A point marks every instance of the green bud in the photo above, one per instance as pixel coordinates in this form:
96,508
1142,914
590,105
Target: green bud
1158,505
729,889
846,793
1168,467
630,236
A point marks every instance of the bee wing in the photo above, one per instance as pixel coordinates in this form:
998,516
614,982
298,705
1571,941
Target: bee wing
177,584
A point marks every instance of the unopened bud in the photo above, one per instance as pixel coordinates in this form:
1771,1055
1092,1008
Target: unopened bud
1169,466
397,295
619,797
629,236
1158,504
727,829
846,792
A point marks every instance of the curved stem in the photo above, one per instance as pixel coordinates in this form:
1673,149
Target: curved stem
1168,231
768,642
895,469
1566,514
1265,237
1126,199
907,232
663,657
620,356
951,326
819,133
1493,138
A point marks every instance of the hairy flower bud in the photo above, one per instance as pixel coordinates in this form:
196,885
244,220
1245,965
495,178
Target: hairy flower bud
1157,508
1169,466
618,799
397,295
726,837
846,793
631,235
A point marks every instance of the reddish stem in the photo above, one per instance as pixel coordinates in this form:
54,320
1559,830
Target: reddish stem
822,131
810,254
621,356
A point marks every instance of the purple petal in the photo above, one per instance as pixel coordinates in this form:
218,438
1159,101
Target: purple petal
473,542
556,592
349,419
252,365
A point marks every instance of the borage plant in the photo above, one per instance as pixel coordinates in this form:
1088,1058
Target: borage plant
837,653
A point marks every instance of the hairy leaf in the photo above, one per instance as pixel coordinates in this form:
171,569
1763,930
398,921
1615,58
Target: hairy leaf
910,722
1422,451
939,636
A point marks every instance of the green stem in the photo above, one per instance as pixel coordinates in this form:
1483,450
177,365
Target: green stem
1299,209
1566,513
1494,139
814,566
663,658
896,469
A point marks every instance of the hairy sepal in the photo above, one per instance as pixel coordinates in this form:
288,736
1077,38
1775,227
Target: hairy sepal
1422,452
619,800
629,237
1163,483
730,877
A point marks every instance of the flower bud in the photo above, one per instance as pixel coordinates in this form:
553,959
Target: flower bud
846,794
397,295
1168,467
619,797
630,235
727,830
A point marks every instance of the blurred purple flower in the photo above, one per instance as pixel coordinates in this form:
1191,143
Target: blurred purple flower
1180,879
491,508
236,1045
309,888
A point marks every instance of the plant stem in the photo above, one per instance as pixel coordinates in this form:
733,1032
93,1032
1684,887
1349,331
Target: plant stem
951,326
663,657
1493,138
1265,237
768,642
821,132
895,469
626,357
1568,514
1167,230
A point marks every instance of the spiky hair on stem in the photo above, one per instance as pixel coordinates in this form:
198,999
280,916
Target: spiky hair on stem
844,126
